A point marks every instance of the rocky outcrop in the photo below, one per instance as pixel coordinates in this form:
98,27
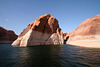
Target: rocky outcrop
7,36
88,30
65,35
44,30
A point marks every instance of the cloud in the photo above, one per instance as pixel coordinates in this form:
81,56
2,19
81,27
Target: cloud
6,20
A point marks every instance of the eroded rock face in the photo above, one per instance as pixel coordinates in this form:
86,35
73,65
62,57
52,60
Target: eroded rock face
43,31
87,30
7,36
65,35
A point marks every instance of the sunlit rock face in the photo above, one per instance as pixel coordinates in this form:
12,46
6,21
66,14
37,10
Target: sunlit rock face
88,30
43,31
7,36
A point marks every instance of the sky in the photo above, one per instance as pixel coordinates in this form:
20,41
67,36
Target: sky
17,14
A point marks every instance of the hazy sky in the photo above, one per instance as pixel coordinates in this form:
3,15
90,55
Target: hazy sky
17,14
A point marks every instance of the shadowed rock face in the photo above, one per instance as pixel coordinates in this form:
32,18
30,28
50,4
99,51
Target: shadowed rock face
43,31
87,30
65,35
7,36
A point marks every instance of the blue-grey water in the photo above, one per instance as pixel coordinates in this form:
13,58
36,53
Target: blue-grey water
49,56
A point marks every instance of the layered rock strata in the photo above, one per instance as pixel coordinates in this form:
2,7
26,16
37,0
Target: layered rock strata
88,32
44,30
7,36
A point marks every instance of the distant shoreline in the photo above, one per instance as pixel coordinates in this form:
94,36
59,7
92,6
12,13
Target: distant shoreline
84,43
5,42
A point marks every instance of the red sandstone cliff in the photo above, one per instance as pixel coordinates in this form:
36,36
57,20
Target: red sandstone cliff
87,30
44,30
7,36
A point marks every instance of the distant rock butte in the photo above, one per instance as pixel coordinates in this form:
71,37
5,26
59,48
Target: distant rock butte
7,36
87,30
44,30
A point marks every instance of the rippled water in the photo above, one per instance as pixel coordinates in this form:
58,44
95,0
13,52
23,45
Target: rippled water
48,56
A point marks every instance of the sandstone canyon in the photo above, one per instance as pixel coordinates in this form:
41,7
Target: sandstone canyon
44,30
87,33
7,36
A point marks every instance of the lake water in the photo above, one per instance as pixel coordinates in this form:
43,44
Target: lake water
49,56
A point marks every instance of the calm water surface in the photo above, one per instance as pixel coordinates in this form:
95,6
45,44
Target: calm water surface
48,56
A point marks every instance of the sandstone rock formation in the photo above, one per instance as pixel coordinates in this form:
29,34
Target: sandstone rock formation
7,36
43,31
64,35
86,33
